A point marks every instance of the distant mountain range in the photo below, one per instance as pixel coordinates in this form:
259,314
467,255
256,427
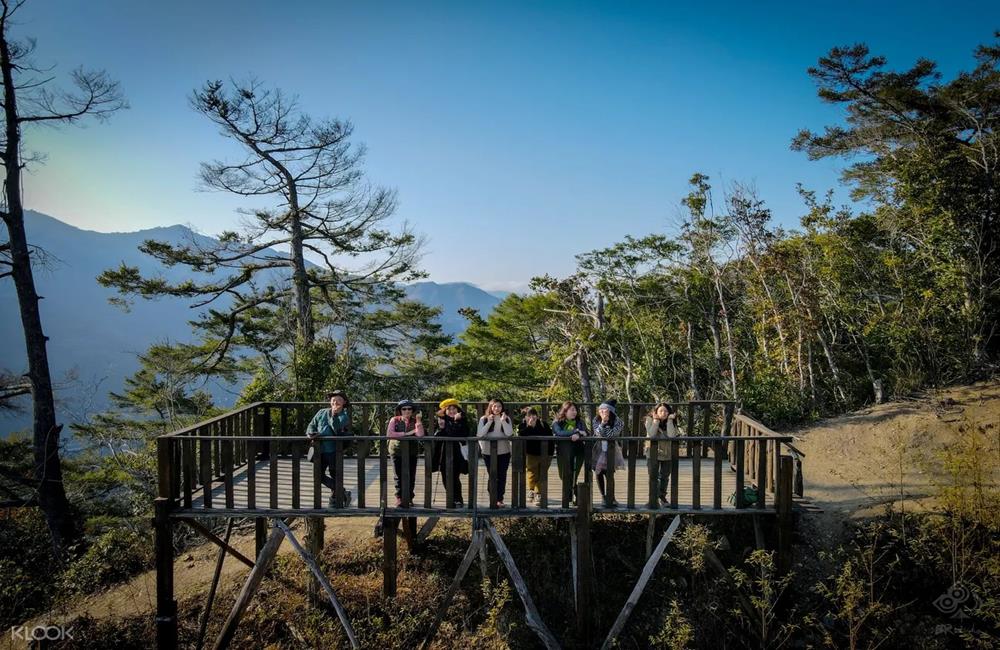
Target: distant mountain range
93,344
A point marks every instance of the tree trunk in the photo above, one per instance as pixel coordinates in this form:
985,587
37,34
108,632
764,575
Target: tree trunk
774,310
583,369
729,333
690,351
45,433
876,382
300,280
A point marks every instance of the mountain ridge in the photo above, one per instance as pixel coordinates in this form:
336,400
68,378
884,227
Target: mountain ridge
93,345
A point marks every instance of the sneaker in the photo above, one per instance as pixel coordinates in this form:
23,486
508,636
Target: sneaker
501,504
531,496
459,503
347,497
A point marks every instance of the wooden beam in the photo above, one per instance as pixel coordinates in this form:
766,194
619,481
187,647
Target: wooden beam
531,613
223,545
573,563
748,608
758,533
203,624
426,529
647,573
389,525
323,580
583,578
650,535
166,606
784,507
264,561
470,554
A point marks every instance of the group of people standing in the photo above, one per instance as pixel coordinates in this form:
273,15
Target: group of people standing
494,429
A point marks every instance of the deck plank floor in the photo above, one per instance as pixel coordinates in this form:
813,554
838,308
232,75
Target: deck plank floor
370,481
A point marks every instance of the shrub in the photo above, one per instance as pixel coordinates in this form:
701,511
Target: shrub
116,555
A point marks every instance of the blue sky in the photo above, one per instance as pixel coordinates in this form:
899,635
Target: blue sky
548,128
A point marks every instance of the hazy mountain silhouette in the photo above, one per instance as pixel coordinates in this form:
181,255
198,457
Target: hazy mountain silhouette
93,344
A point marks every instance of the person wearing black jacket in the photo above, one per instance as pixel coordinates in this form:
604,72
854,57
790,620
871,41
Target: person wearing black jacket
451,423
537,453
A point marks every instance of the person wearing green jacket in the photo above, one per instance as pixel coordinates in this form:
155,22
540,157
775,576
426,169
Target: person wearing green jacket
324,426
570,429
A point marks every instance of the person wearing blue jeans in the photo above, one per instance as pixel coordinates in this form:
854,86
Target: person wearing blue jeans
325,425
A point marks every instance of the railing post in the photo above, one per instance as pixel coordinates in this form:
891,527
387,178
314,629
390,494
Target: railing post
652,472
740,452
783,504
166,606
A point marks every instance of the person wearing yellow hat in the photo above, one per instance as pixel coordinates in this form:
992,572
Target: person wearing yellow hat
451,423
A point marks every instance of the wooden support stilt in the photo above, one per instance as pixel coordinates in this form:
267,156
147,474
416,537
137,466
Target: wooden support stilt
531,613
650,535
264,560
784,505
478,541
758,533
389,525
574,565
223,545
259,534
409,525
315,533
748,608
166,606
203,624
584,586
647,573
314,567
484,566
426,529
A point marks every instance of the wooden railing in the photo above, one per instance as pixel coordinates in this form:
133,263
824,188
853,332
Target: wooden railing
201,466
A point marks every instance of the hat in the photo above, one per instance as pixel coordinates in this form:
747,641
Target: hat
451,401
334,393
404,402
610,405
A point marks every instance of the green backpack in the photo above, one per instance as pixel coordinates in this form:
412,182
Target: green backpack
749,496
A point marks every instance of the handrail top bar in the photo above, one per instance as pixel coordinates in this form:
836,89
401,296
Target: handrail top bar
213,420
287,438
485,401
743,417
275,404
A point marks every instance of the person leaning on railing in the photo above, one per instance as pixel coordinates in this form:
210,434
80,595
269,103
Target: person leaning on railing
451,423
327,423
406,423
537,453
661,424
496,426
570,428
607,425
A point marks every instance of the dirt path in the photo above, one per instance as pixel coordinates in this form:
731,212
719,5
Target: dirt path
858,463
